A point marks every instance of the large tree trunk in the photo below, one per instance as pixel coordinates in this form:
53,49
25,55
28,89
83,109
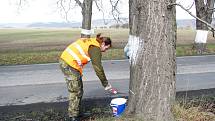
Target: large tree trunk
87,16
204,10
153,62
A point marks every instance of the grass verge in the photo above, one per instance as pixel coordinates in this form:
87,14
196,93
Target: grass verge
38,57
32,46
51,56
188,50
15,58
195,109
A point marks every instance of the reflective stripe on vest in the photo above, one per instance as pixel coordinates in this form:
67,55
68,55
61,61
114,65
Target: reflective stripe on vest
74,55
81,51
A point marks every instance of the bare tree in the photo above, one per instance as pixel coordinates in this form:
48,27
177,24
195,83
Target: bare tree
204,11
86,10
114,11
152,42
20,4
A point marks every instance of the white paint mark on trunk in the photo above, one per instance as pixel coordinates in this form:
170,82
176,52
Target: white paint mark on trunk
201,36
87,32
205,2
132,92
131,48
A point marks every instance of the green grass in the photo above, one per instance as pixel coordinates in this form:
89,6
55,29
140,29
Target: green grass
113,54
31,46
185,50
37,57
188,50
28,57
51,56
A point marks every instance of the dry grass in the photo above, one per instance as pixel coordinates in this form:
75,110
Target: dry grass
192,114
57,39
49,39
194,109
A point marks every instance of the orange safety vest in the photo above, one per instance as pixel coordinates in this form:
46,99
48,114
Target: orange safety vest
76,54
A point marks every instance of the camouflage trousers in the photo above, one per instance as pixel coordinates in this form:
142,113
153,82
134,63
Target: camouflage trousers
75,87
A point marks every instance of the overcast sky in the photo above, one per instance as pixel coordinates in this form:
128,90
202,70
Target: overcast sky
48,11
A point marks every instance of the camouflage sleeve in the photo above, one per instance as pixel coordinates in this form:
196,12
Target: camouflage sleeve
96,56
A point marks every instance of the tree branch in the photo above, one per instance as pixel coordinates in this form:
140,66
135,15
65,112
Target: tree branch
62,5
100,9
20,2
211,28
191,6
97,5
114,9
211,9
79,3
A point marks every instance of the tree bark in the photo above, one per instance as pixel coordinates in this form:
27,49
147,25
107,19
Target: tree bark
204,12
153,64
87,16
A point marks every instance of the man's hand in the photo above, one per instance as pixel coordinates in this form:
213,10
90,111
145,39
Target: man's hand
110,89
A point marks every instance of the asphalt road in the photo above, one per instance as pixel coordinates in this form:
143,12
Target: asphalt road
26,84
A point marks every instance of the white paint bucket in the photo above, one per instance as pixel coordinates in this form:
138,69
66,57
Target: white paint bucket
118,106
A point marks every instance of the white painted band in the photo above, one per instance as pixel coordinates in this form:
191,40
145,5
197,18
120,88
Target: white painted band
132,47
201,36
87,32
